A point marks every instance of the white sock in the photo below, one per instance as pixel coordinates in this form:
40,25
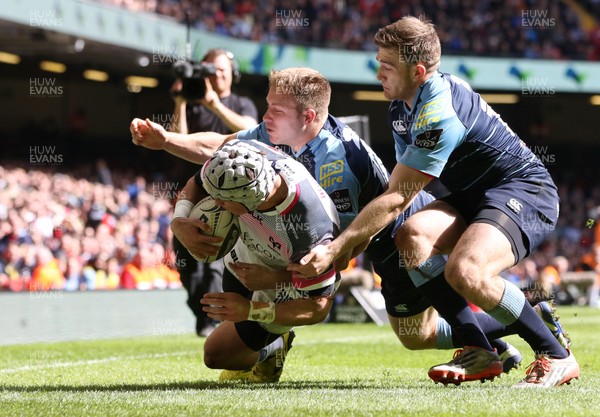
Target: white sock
268,350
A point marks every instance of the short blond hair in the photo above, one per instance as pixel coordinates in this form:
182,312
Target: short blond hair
416,41
309,88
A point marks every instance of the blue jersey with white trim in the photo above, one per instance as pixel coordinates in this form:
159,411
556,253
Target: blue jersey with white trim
342,163
451,133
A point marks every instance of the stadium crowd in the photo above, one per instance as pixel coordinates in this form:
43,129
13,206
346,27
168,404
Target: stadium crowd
59,231
517,28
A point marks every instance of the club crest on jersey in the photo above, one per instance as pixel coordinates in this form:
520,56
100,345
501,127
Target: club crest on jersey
274,244
399,126
428,139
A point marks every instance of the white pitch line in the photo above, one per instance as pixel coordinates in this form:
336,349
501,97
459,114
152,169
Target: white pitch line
164,355
340,340
93,361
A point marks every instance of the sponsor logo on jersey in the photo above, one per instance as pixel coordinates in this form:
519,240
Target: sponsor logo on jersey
514,205
342,201
429,114
428,139
328,173
335,167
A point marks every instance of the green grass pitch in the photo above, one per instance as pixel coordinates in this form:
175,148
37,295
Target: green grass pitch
332,370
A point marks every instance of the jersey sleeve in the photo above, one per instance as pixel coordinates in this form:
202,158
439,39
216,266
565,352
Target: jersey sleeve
399,146
437,133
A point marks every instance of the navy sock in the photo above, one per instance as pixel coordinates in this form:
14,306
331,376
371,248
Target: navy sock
533,330
515,312
492,329
455,310
499,344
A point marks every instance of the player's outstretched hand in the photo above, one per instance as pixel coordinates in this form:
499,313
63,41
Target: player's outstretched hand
343,261
189,233
314,263
148,134
258,277
229,306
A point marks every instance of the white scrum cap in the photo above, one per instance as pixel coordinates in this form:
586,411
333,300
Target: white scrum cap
239,172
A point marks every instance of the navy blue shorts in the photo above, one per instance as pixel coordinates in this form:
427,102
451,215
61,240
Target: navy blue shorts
532,203
402,298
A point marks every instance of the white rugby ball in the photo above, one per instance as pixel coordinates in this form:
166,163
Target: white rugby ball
223,223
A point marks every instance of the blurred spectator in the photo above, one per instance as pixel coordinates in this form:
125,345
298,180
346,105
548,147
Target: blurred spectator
74,274
103,172
548,285
107,273
591,262
47,274
11,262
519,28
60,232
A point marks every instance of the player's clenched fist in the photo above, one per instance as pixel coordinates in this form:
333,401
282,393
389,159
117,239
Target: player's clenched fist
148,134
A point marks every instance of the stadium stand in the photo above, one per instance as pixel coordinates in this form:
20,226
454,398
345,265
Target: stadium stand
518,28
60,231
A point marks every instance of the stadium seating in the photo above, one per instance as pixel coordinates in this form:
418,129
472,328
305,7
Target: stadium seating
524,29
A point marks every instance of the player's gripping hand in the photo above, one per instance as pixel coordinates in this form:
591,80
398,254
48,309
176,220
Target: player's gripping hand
314,263
148,134
223,306
258,277
189,233
344,259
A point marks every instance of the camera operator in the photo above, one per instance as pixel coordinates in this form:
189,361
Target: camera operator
216,109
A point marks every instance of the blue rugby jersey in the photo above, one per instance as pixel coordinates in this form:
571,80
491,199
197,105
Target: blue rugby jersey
343,164
451,133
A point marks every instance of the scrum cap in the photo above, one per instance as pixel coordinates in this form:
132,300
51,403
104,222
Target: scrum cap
240,173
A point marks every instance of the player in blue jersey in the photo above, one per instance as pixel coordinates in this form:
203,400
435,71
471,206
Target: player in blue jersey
282,213
502,201
352,175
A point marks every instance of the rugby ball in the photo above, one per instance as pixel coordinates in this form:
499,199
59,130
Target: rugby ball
223,223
